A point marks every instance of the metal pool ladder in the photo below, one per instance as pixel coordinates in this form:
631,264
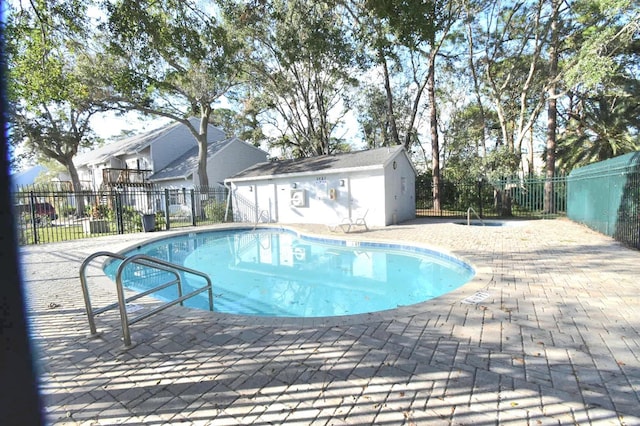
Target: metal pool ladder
121,304
264,214
469,210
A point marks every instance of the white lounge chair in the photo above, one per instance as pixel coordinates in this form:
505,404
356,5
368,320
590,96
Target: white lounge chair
347,223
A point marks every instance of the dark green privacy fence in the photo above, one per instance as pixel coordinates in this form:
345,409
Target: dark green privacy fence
605,196
514,197
49,214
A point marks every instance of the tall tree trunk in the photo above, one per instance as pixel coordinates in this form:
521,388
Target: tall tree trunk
391,116
476,90
202,146
75,183
552,113
203,177
531,153
433,124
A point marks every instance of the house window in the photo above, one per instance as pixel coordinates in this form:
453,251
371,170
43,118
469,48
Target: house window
176,196
403,185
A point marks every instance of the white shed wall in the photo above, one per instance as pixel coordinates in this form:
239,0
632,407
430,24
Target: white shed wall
400,191
368,195
325,198
386,195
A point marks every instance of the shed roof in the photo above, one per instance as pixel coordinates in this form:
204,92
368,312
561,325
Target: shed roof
350,161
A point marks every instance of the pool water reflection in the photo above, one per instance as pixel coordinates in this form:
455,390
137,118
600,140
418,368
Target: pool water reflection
277,272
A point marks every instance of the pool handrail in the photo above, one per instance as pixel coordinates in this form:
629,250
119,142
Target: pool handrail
469,210
260,216
147,261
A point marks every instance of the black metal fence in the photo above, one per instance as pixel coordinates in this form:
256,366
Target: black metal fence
47,214
50,214
515,197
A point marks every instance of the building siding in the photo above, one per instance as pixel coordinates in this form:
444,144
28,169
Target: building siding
236,156
384,193
168,147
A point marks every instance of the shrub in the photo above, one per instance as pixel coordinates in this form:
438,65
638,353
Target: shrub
160,221
131,220
214,211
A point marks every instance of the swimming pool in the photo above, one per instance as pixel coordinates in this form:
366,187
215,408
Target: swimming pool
491,223
481,223
279,272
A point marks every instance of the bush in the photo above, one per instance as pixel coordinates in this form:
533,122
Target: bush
131,220
214,211
160,221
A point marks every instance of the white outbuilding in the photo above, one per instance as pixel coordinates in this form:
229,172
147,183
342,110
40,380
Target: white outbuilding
377,185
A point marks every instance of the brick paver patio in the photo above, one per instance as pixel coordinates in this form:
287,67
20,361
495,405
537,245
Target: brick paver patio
556,341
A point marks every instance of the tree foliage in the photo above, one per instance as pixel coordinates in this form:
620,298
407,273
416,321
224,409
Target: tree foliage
376,121
243,125
602,125
465,82
169,58
602,116
300,69
421,30
51,97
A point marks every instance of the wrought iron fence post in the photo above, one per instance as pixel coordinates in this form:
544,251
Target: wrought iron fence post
193,207
166,208
480,197
34,221
119,215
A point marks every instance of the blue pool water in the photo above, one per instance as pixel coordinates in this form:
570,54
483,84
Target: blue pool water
484,223
277,272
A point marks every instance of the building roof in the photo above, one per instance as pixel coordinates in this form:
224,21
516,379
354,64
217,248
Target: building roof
137,143
185,165
28,176
357,160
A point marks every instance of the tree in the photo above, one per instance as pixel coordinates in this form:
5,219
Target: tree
422,29
602,115
467,129
604,46
373,118
51,97
521,53
372,40
513,39
377,123
169,58
244,124
300,69
552,109
602,124
470,10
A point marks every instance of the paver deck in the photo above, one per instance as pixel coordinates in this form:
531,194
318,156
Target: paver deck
553,339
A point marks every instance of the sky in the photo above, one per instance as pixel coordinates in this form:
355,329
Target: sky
110,125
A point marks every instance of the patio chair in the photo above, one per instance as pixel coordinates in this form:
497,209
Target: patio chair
347,223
